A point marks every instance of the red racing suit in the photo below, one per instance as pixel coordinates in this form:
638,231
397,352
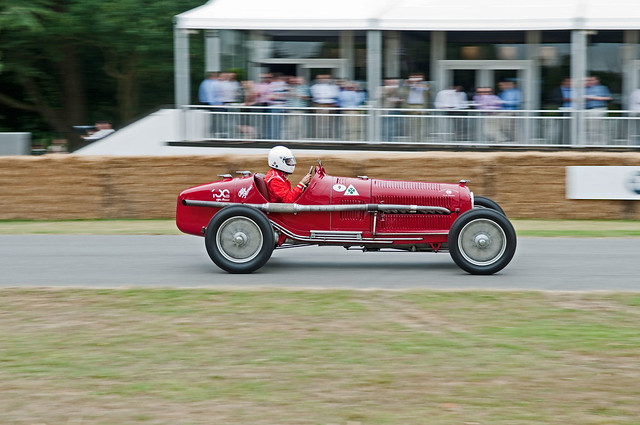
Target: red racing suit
280,187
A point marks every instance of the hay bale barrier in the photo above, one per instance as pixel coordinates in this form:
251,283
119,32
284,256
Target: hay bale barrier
63,187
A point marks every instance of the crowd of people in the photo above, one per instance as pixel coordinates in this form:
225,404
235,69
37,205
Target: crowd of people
282,102
290,108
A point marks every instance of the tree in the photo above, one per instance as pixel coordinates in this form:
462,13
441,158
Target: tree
68,61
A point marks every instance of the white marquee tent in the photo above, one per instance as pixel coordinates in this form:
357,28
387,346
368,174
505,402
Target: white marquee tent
423,15
376,16
581,17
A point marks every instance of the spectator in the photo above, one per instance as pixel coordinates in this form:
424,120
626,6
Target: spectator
277,98
297,100
511,100
102,129
263,95
510,95
596,98
229,88
453,101
247,126
415,94
263,92
209,90
453,98
391,101
486,100
562,96
249,94
596,95
324,94
350,100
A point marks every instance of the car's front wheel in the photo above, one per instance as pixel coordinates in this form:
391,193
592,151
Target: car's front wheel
482,241
239,239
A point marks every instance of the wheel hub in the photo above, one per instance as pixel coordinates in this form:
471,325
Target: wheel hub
482,240
239,239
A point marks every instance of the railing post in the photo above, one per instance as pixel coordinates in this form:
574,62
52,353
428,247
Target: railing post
578,76
181,64
374,81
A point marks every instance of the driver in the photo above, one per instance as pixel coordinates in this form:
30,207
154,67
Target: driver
282,163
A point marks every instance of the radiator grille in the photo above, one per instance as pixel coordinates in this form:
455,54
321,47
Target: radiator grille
352,215
435,201
400,185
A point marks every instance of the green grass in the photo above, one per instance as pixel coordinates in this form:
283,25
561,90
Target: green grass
98,227
524,227
161,356
577,228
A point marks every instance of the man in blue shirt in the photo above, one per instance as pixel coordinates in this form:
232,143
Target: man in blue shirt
596,95
511,98
209,94
209,90
510,95
596,98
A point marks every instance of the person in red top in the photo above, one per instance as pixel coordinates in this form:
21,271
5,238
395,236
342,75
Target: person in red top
283,163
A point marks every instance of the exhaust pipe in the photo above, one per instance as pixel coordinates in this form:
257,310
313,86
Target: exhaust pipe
296,208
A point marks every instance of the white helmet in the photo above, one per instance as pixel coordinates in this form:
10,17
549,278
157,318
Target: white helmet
282,159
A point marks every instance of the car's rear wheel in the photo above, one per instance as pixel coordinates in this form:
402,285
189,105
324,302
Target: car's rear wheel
484,202
239,239
482,241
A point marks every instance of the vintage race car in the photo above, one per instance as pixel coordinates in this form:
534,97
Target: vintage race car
241,228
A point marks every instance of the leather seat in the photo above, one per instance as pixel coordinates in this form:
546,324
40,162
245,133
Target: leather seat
261,185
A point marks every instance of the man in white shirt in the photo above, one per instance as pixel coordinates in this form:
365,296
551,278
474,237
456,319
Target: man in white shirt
453,98
229,88
453,123
324,94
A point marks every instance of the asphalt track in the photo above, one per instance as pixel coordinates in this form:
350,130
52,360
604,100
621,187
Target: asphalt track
562,264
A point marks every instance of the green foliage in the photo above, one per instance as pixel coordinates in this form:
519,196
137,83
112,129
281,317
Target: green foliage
71,62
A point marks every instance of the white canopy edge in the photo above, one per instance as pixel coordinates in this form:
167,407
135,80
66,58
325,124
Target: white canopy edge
418,15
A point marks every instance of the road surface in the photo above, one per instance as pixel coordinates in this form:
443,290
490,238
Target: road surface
562,264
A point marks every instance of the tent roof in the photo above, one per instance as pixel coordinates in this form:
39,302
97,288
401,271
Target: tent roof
423,15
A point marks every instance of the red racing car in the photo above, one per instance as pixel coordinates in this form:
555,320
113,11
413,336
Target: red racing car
241,227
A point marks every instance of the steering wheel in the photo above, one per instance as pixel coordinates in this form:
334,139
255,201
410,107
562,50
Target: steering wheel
319,169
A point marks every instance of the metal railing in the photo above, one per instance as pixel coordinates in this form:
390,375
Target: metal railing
413,126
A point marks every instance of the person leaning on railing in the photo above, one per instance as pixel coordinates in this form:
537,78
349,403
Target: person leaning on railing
596,98
324,94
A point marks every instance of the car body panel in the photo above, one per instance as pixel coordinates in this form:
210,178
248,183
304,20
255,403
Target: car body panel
358,228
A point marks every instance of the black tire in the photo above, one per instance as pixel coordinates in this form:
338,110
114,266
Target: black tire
484,202
239,239
482,241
